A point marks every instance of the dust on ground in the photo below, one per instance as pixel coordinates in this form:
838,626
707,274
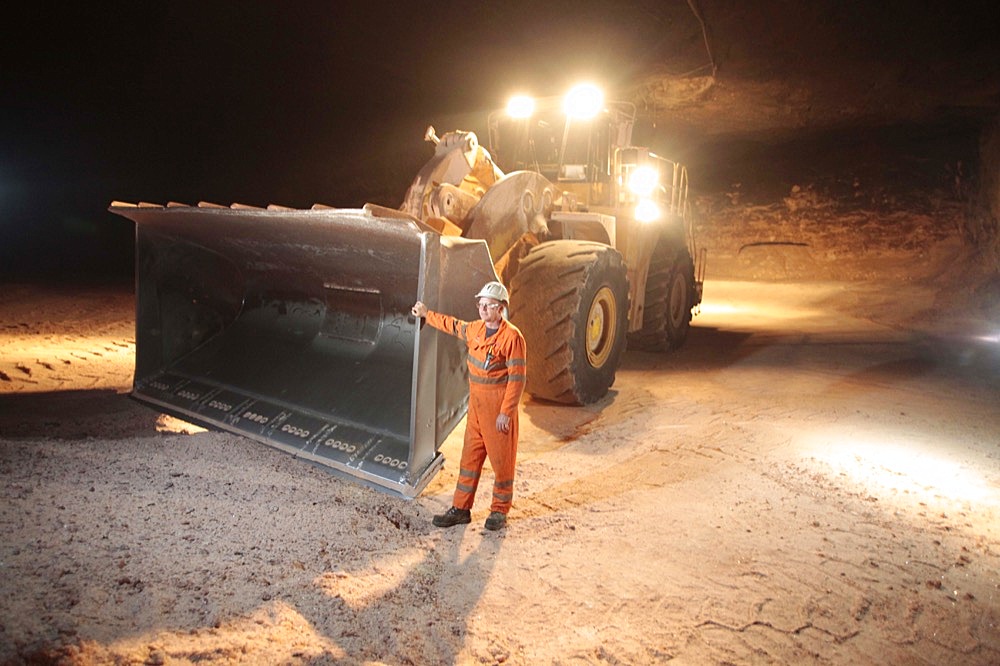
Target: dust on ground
813,478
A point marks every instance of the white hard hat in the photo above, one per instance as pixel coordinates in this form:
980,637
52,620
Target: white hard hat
494,290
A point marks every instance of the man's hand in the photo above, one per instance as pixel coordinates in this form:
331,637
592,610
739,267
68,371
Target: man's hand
418,310
503,423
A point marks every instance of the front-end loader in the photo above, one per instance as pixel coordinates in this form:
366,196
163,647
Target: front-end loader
292,326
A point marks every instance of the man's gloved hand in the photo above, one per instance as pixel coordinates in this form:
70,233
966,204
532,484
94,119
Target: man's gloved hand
503,423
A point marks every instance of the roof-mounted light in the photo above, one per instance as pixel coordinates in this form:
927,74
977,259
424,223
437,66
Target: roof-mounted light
583,101
520,106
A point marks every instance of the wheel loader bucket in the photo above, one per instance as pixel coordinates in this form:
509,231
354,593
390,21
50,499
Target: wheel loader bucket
293,327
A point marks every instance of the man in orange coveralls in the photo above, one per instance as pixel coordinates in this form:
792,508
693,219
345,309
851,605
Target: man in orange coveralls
496,381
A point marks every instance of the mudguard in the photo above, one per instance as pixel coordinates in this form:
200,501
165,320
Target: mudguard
293,327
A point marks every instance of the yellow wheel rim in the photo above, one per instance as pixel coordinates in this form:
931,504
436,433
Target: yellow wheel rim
601,322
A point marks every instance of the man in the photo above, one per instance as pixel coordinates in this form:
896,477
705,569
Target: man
496,381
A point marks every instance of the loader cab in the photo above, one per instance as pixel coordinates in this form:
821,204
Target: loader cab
583,144
572,141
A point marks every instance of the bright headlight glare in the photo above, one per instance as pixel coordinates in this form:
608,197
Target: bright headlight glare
583,101
520,106
643,181
647,211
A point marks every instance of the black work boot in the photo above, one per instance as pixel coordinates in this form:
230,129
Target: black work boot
452,517
496,520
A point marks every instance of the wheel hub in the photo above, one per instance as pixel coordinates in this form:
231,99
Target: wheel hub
601,322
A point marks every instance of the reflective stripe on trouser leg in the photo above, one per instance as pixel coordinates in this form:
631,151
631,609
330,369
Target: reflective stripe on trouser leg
468,481
503,495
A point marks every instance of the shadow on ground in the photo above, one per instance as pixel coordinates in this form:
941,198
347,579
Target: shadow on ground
74,415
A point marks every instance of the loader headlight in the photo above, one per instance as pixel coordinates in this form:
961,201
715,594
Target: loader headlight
520,106
647,211
583,101
643,181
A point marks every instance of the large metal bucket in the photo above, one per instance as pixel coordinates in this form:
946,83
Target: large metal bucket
292,327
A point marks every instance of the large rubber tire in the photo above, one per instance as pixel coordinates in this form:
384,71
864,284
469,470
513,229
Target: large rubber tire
570,299
669,298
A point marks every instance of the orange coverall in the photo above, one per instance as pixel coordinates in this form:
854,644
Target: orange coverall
496,382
